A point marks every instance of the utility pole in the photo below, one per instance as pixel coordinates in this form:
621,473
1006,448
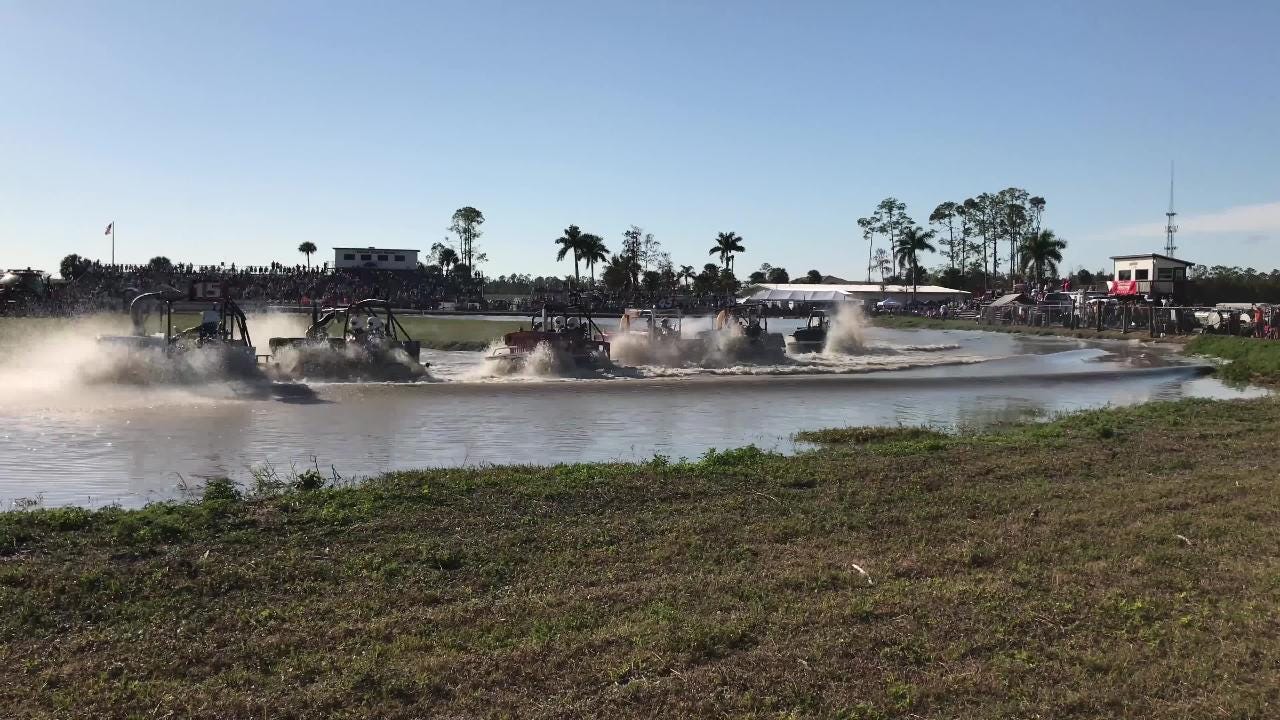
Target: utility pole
1170,228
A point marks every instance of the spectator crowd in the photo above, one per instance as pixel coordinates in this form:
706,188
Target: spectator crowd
98,286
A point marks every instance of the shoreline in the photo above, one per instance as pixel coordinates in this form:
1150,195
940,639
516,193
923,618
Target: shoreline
1239,360
912,322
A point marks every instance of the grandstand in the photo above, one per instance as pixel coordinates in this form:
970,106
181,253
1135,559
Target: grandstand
100,286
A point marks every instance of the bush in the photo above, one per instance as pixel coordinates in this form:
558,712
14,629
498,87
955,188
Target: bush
308,480
1251,359
220,490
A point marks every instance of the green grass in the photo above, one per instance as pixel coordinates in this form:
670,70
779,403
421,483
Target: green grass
457,334
867,435
1249,359
1116,563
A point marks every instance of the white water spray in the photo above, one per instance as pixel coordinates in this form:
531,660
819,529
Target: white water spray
53,362
847,333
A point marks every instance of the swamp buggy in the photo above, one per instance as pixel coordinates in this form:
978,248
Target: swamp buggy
567,331
364,338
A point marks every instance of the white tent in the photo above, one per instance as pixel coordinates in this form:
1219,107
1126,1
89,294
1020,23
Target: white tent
853,292
799,296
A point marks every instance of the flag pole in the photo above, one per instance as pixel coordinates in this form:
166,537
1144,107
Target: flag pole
113,242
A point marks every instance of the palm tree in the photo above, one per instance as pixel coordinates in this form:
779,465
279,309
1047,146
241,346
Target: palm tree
593,251
727,243
307,248
1041,252
447,258
570,242
911,243
687,274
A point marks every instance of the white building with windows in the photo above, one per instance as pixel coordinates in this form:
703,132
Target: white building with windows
1150,266
1153,273
372,258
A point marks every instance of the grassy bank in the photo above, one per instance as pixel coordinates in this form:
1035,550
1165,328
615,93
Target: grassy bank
911,322
1120,563
458,334
1250,359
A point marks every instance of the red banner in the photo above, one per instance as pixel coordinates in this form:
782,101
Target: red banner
1122,287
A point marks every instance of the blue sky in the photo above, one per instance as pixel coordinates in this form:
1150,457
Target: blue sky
229,131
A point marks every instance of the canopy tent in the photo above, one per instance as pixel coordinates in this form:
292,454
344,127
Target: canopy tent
799,296
866,293
1012,299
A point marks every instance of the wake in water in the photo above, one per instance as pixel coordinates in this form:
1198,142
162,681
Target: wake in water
350,363
698,343
544,361
154,366
872,364
636,349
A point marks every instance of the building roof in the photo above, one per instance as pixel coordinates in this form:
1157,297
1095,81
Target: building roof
819,292
862,288
769,295
378,249
1188,263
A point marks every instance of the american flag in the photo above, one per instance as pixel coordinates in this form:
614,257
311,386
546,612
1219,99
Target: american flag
108,232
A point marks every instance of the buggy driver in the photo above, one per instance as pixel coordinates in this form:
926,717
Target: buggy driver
209,323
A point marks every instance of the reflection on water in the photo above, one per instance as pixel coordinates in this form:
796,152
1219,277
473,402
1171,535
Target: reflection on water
133,445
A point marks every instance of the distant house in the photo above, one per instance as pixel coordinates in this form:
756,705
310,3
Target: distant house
1150,274
346,258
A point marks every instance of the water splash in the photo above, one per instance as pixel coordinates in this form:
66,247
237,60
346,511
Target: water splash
350,363
544,361
847,333
60,363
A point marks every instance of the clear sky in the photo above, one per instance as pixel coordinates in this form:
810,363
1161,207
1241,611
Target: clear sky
233,131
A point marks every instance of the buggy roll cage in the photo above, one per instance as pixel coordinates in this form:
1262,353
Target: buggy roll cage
651,317
746,311
369,306
551,310
231,319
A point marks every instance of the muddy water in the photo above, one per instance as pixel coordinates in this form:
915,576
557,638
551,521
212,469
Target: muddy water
69,442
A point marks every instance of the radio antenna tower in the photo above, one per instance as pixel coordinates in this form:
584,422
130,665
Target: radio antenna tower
1170,228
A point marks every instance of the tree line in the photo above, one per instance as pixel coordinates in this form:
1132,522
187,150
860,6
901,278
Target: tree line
978,237
641,267
987,239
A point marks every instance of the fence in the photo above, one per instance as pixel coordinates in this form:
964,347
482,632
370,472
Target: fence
1129,317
